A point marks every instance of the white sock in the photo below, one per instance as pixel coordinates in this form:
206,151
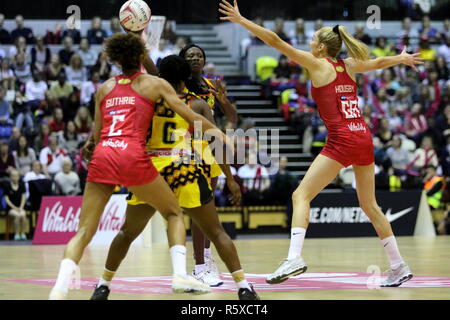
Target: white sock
199,268
297,239
207,253
103,282
390,246
243,285
178,254
66,270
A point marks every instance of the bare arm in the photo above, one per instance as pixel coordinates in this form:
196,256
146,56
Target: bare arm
269,37
98,118
358,66
150,66
228,109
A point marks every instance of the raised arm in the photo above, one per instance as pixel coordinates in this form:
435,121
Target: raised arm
358,66
269,37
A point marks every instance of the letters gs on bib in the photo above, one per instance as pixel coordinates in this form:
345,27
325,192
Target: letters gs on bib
348,106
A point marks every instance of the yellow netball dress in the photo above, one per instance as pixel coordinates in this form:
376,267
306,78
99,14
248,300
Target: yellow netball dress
170,148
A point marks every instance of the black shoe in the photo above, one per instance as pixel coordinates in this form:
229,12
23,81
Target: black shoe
245,294
101,293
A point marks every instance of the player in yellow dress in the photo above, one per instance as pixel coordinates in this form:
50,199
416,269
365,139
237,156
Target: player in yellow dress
188,175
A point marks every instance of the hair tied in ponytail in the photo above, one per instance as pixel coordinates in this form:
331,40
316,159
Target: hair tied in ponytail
336,30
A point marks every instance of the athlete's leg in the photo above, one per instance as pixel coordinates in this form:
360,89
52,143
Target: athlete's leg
322,171
365,186
95,198
136,220
207,219
158,195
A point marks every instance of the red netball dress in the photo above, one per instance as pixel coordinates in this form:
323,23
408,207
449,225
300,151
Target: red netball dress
349,138
120,157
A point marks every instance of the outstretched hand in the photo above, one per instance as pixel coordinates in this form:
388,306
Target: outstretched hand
411,59
231,12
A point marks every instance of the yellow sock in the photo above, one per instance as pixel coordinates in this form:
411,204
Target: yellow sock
239,278
108,275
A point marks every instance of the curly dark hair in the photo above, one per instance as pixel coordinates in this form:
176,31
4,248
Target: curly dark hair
126,50
174,69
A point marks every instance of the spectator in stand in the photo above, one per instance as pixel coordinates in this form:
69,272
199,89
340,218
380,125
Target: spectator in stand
381,48
408,32
256,181
96,34
283,183
22,70
168,32
180,43
21,111
7,78
13,143
5,117
445,33
399,157
88,55
361,35
384,132
5,36
114,27
415,123
35,91
40,55
67,182
66,53
83,122
57,124
15,200
279,29
103,67
162,52
76,72
444,49
443,125
442,69
22,31
24,156
6,161
54,68
19,46
42,140
71,107
34,174
424,156
54,37
426,52
70,139
427,30
318,24
434,185
298,34
61,90
381,102
52,158
445,157
89,88
73,33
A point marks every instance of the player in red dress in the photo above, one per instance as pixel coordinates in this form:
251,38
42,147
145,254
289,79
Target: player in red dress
124,109
349,139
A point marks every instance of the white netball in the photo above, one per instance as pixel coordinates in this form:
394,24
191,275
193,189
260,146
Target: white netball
135,15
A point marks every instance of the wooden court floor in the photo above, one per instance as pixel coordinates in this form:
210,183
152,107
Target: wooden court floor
336,257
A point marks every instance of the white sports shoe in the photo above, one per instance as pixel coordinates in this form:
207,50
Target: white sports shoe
188,284
397,276
207,277
287,269
211,267
56,294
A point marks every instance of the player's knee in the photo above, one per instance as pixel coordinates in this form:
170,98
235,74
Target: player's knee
127,235
300,195
85,234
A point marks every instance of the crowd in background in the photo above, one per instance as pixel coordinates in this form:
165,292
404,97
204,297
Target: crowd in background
46,106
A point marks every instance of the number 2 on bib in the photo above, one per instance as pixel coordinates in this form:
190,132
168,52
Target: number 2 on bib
348,106
112,133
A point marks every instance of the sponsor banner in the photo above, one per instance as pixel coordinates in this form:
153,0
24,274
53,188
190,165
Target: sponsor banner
339,214
59,218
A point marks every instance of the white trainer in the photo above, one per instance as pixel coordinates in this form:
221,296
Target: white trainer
56,294
214,272
207,277
188,284
397,276
287,269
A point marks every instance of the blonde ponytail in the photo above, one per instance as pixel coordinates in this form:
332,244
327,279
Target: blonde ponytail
332,38
356,49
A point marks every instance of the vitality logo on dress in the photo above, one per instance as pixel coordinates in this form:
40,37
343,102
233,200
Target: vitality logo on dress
115,144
